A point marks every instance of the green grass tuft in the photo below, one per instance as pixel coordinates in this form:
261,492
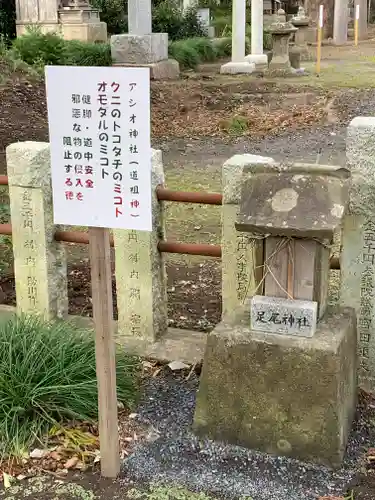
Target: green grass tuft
79,53
48,376
185,54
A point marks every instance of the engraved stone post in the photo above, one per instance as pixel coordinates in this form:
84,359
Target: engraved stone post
140,273
239,251
358,243
39,260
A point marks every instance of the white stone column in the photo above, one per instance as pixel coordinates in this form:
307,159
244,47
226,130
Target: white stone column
240,252
140,274
139,17
340,22
257,57
238,63
39,260
358,243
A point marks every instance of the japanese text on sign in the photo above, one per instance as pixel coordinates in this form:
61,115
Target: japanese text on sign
99,122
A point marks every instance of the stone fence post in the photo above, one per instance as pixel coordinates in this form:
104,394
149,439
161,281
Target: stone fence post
141,276
39,260
241,254
358,243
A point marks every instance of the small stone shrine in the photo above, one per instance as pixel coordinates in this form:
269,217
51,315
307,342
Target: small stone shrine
280,373
74,19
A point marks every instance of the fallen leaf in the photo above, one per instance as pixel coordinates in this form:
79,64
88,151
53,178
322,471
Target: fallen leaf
178,365
21,477
72,462
133,415
55,456
7,480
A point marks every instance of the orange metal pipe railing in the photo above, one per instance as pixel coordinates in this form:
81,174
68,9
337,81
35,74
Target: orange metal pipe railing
82,237
163,194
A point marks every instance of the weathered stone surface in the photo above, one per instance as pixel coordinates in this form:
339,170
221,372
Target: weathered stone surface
86,32
39,260
162,70
139,49
235,68
242,255
358,243
140,272
283,316
280,394
298,201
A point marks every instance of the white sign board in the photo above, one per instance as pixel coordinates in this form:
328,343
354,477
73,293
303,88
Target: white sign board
99,127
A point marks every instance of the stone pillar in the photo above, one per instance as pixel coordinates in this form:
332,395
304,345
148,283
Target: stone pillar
139,17
362,23
358,243
240,253
39,260
238,63
340,22
141,47
257,57
140,274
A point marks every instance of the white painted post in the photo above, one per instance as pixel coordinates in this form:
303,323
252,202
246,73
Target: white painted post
39,260
358,243
140,274
239,250
257,57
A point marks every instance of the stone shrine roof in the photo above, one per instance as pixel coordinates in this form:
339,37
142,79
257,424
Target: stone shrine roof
305,201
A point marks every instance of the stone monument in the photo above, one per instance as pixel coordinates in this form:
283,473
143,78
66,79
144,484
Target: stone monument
280,372
74,19
141,47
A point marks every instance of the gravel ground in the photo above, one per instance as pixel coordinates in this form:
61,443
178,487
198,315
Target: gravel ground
327,140
230,472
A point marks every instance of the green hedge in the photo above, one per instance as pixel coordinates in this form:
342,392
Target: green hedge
40,49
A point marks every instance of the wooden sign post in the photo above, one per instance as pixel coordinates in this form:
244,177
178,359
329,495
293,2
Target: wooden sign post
356,22
320,38
99,123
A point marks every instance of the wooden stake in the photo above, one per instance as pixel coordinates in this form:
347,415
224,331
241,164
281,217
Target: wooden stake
320,38
356,22
101,284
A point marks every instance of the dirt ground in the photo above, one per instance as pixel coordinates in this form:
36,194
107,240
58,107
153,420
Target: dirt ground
199,122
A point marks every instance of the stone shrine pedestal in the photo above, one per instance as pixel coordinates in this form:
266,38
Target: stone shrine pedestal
281,394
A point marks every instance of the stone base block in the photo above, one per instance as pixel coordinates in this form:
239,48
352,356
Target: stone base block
235,68
283,395
260,61
163,70
21,29
139,49
86,32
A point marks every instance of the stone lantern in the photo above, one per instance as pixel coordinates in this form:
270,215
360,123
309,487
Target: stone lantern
302,36
280,373
280,62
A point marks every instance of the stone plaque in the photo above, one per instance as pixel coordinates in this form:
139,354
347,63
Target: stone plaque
283,316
